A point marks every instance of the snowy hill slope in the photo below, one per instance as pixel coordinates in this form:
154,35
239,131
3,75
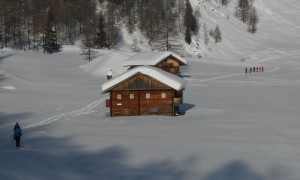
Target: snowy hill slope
236,126
101,65
278,29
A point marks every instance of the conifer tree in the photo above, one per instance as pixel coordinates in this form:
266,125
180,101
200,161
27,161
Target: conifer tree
87,49
101,35
224,2
246,12
88,33
242,10
167,37
112,28
217,35
253,20
190,20
2,25
50,38
188,38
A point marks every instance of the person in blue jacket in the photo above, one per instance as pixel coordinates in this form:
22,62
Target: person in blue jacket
17,134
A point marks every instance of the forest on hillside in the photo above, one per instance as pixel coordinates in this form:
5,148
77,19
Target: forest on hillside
46,24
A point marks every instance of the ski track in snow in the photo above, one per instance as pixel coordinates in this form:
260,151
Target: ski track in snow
220,77
210,79
223,77
86,110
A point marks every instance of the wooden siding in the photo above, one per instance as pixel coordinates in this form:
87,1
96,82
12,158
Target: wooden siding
170,65
156,104
169,60
140,82
142,104
173,61
125,106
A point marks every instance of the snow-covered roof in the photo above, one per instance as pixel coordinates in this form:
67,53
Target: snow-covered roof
151,58
164,77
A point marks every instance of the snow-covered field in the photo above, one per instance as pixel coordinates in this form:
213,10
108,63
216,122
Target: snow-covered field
236,126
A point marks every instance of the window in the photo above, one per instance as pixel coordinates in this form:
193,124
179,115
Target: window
147,95
163,95
131,96
119,96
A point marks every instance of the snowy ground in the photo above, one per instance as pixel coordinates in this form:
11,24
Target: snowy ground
237,126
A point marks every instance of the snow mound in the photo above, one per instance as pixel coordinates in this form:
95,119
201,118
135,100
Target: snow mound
70,48
101,65
4,50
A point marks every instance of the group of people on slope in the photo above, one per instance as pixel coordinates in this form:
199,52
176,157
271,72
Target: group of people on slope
254,69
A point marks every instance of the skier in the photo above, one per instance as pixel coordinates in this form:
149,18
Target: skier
245,70
109,74
17,135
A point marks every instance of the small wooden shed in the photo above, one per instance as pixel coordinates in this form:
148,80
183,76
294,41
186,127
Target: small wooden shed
166,60
144,90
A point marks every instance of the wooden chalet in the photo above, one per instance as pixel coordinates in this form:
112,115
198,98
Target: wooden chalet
144,90
165,60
